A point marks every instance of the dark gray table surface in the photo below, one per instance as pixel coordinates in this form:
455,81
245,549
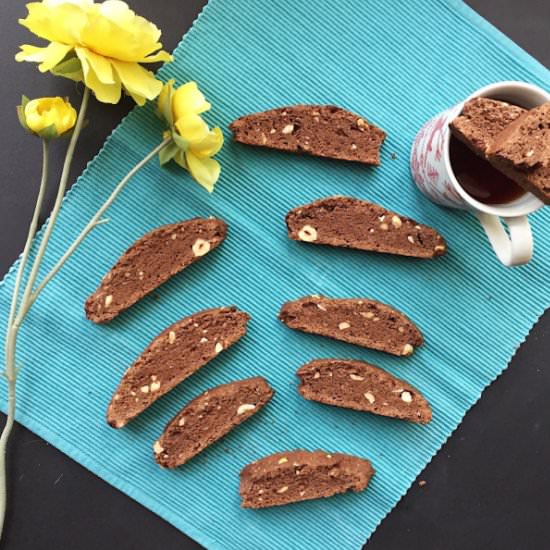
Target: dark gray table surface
489,486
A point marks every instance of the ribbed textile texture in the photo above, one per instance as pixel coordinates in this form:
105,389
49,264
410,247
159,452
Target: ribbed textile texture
397,64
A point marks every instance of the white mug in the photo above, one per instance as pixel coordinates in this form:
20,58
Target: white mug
433,174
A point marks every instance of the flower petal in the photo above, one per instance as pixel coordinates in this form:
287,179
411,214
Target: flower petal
188,99
56,22
164,102
30,53
137,81
111,41
209,146
162,55
192,128
81,3
106,93
100,65
115,31
204,171
48,57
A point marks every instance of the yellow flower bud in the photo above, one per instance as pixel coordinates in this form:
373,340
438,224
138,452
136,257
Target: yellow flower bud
49,116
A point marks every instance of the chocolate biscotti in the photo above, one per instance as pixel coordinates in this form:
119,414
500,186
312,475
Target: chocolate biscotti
293,476
319,130
481,120
150,262
208,418
359,321
357,385
353,223
175,354
522,151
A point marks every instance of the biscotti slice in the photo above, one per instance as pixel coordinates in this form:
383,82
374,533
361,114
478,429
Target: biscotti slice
208,418
357,385
354,223
293,476
176,353
359,321
481,120
318,130
150,262
522,152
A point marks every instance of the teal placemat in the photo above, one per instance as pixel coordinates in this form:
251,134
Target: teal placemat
398,63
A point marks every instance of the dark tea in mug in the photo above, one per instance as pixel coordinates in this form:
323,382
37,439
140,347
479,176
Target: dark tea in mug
478,177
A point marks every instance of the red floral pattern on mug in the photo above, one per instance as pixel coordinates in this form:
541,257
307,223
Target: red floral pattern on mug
427,162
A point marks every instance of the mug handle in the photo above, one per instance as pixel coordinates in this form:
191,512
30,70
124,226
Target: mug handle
515,249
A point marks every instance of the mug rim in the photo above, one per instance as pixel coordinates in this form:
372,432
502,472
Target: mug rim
526,203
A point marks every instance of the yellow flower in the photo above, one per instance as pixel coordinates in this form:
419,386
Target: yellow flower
193,143
100,44
47,117
188,100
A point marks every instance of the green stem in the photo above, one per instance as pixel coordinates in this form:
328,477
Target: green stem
10,370
96,219
30,236
25,302
17,314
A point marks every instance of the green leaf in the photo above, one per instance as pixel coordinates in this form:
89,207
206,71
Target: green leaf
21,117
50,132
180,142
21,112
69,68
167,153
180,159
